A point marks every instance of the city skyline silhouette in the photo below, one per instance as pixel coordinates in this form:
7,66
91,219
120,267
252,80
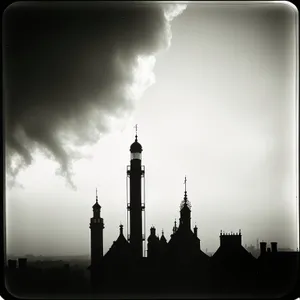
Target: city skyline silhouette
153,265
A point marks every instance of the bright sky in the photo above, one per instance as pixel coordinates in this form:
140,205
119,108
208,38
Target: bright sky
221,110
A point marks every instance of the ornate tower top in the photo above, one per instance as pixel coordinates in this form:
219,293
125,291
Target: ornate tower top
175,226
185,202
136,132
96,205
136,147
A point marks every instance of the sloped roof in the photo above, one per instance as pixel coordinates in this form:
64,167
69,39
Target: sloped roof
120,250
234,256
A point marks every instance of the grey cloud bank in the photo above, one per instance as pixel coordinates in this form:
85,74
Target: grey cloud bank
68,67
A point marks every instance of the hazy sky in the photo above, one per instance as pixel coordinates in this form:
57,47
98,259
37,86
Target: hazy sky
219,107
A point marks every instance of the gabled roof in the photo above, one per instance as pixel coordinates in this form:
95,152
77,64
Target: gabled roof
120,250
231,255
185,245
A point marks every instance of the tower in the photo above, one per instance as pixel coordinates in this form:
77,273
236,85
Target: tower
153,244
185,211
96,226
136,199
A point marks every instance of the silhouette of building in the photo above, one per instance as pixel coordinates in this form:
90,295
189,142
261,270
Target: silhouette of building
172,264
125,256
277,270
136,203
184,244
96,226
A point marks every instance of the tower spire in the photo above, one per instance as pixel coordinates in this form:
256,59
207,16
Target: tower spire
185,192
96,196
136,136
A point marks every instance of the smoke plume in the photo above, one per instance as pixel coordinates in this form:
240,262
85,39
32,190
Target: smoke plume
69,67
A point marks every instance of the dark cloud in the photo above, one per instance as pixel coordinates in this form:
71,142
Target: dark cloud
67,66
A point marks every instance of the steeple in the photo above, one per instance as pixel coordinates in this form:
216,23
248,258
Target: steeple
185,192
185,203
185,210
96,207
162,238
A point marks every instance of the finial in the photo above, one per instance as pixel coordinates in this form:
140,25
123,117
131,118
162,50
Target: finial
185,193
96,195
162,232
135,132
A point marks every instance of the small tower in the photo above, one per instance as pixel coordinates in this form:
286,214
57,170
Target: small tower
185,211
196,231
175,227
154,247
96,226
136,200
163,243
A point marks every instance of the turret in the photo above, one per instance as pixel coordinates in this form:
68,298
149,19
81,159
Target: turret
153,244
196,231
96,226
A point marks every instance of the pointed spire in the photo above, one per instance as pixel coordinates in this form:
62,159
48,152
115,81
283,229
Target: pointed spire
175,227
136,136
185,192
162,232
96,205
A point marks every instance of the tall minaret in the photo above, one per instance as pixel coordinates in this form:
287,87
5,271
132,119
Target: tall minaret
96,226
185,211
136,205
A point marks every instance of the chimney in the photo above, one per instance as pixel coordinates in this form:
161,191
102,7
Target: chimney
274,246
263,247
196,231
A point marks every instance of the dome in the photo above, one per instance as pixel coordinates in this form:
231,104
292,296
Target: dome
96,205
136,147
